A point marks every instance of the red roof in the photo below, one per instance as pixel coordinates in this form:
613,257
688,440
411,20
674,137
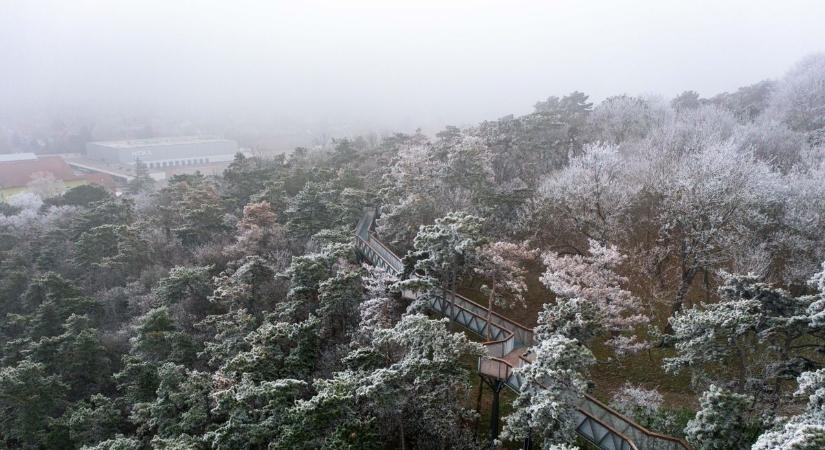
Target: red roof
21,173
101,179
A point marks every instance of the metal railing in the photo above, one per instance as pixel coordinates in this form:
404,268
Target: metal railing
598,423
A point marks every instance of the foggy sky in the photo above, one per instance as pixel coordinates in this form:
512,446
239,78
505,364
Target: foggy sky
391,63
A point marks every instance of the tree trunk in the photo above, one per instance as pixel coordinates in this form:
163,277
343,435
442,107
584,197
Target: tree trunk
681,293
743,366
451,279
707,286
401,429
684,286
488,331
478,403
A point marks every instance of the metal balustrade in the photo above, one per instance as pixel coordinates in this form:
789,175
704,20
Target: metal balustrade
601,434
509,349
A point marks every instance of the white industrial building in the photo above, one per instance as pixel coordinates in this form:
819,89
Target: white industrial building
161,153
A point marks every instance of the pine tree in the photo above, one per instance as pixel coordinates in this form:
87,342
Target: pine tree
142,181
721,422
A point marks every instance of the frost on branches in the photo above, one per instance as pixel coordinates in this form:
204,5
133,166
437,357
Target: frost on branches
409,379
643,405
553,387
443,253
589,291
501,265
756,333
406,204
720,423
807,430
381,307
593,193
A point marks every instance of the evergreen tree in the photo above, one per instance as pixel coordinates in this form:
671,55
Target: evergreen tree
721,422
142,181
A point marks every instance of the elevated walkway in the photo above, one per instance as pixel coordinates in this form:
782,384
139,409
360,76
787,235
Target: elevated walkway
509,349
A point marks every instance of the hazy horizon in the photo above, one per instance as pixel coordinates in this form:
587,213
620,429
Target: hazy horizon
395,66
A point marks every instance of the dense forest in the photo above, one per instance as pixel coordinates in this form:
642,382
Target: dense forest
669,253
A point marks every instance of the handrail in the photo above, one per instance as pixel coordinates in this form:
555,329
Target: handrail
508,371
526,331
381,244
626,439
635,425
497,315
479,312
389,263
373,239
398,261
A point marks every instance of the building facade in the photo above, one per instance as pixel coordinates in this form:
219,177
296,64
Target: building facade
44,175
159,153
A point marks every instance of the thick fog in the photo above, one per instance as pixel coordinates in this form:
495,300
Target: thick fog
384,64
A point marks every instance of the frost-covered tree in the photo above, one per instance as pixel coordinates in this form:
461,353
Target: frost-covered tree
463,171
721,422
399,221
381,307
637,402
249,283
523,149
574,105
186,291
407,200
182,405
251,412
646,407
593,193
622,118
692,130
190,208
801,241
774,142
142,181
322,205
799,97
259,233
77,355
427,181
501,266
276,350
575,318
29,398
686,100
226,336
157,339
445,251
119,442
748,102
339,299
802,433
93,420
589,288
115,252
805,431
409,379
710,204
553,386
758,332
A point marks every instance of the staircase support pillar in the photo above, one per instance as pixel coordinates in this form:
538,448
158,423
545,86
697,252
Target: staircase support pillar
496,386
528,442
